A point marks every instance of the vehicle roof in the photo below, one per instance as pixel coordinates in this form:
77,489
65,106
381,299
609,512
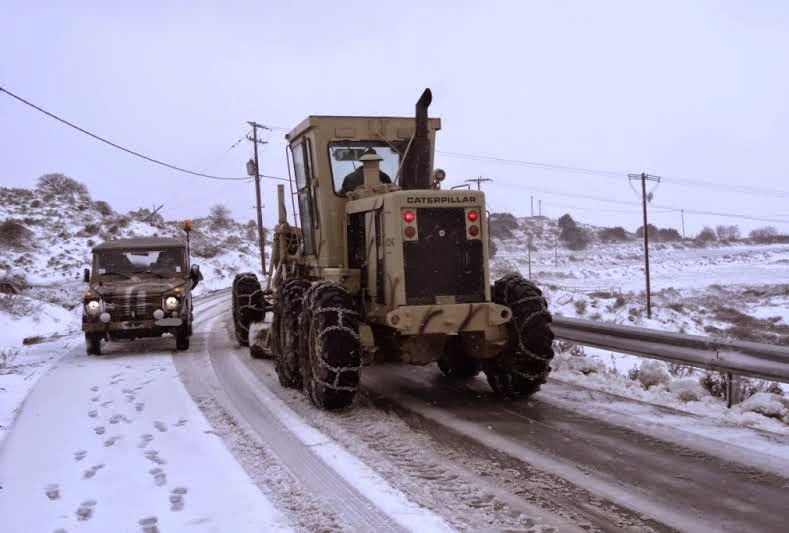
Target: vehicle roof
140,243
361,125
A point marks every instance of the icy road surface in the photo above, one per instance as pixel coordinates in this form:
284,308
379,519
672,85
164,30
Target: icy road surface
146,439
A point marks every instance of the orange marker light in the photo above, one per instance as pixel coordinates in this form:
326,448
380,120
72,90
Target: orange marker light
187,225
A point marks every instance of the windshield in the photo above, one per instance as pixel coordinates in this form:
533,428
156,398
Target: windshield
168,261
345,155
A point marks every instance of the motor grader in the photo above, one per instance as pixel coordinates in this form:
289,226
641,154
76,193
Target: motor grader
381,264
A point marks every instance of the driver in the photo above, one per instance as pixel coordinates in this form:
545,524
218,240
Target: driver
356,178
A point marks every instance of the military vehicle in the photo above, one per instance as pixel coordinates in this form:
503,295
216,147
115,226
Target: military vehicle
394,270
139,288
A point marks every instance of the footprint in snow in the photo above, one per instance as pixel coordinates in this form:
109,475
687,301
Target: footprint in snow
153,455
139,406
93,413
107,403
95,399
90,472
161,426
145,440
159,477
85,510
177,498
79,455
52,491
99,430
94,388
112,440
181,423
148,524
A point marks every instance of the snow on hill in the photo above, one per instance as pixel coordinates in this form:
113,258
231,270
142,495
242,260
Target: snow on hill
46,243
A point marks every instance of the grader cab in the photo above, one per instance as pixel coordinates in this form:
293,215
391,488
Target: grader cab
382,265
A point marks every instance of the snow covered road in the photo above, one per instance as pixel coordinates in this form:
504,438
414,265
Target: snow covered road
152,440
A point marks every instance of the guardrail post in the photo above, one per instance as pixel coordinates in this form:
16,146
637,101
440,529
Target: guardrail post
733,389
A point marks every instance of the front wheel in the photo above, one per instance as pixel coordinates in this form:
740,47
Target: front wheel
247,305
93,344
524,365
285,331
329,346
182,338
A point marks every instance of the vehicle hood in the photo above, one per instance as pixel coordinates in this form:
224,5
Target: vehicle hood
136,286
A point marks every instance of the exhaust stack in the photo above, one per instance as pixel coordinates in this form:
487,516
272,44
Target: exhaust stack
417,166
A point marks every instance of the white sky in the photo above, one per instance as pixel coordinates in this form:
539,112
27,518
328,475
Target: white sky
685,90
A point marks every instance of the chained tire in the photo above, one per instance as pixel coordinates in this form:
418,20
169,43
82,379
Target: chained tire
329,346
92,344
247,305
454,364
285,331
524,365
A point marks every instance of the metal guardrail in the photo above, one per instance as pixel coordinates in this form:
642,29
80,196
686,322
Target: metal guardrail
739,358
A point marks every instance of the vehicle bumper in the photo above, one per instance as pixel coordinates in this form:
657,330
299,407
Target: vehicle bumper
449,319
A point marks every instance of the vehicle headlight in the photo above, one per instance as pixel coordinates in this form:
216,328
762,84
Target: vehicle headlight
171,303
93,307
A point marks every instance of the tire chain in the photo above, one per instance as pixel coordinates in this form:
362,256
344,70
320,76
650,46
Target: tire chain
344,315
288,306
247,306
523,355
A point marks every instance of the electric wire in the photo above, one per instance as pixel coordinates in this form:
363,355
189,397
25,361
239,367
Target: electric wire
117,146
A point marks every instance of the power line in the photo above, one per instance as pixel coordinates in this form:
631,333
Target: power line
611,174
114,145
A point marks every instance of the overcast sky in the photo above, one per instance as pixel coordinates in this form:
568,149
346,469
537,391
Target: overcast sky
690,91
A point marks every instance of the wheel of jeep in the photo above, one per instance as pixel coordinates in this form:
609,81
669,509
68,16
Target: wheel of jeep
247,305
285,331
524,366
329,346
92,344
182,338
453,363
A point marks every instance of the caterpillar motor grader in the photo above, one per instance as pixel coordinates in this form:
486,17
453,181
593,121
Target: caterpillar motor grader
383,265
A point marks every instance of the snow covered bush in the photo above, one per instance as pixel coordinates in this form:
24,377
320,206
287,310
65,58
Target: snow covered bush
219,215
652,373
687,389
583,365
102,207
59,184
764,403
14,234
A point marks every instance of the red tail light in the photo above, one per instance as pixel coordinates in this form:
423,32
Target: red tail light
409,216
473,231
409,231
473,216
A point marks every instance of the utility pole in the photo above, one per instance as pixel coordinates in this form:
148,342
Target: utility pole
683,222
644,177
530,257
532,204
478,181
539,207
253,169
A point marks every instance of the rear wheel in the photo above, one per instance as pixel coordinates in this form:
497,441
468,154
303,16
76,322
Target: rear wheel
93,344
329,346
524,366
454,364
247,305
285,331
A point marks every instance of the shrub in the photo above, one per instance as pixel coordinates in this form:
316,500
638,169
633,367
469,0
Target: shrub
580,307
566,222
765,235
652,231
219,215
727,233
14,235
59,184
616,234
574,238
90,229
102,207
706,235
7,356
652,373
668,235
208,251
502,225
35,203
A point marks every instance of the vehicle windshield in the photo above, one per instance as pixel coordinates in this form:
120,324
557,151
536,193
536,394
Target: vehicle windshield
169,261
345,159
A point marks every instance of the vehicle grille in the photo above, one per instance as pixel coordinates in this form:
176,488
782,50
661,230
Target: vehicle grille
443,262
133,306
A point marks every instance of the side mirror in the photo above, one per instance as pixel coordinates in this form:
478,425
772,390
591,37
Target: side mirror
86,276
195,274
